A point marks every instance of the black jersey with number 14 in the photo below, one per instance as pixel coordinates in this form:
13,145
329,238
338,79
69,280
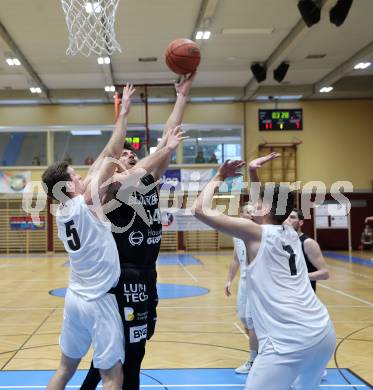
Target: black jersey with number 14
138,243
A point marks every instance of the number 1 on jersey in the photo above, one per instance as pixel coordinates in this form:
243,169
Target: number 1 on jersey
293,268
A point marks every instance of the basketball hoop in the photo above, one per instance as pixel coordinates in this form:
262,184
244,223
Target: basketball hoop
91,26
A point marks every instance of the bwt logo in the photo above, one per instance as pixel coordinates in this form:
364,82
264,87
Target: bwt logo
138,333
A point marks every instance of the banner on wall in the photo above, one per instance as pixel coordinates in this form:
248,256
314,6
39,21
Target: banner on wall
26,223
14,183
171,179
182,221
195,179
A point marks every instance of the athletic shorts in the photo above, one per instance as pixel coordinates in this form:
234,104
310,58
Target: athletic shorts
300,370
243,307
95,322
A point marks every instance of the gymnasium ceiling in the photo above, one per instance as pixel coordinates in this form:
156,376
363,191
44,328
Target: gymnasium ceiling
242,32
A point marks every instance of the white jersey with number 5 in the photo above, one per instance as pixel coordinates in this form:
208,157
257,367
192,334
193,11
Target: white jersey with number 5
284,308
93,255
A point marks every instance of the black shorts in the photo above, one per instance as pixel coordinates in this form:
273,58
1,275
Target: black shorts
137,299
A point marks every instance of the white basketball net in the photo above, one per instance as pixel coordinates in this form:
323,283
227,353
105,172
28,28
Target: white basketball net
91,26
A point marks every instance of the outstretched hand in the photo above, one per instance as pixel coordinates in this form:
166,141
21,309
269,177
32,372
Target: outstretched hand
231,169
175,137
128,91
183,87
259,162
228,289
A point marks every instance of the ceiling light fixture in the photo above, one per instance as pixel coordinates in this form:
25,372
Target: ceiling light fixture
206,35
326,89
35,90
13,61
362,65
110,88
103,60
203,35
85,132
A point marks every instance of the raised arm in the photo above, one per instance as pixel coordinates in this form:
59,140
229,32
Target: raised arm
175,119
233,269
368,219
254,165
95,183
313,251
237,227
114,146
175,137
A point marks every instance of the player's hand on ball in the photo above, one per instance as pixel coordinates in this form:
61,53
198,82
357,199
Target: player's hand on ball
231,169
183,87
128,91
175,137
259,162
228,289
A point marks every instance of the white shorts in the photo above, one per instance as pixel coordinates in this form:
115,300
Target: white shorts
95,322
243,307
301,370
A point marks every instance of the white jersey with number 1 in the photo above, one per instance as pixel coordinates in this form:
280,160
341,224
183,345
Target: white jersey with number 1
93,254
285,310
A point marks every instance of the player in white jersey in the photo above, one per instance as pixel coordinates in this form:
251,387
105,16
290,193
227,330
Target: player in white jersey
91,314
294,330
239,262
94,265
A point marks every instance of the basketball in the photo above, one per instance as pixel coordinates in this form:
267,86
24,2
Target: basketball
182,56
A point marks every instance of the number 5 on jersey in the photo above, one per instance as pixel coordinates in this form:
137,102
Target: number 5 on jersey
72,236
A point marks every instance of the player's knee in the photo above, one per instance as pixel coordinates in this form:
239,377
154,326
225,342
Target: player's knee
112,378
67,367
65,372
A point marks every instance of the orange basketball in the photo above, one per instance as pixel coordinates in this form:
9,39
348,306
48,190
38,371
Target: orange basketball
182,56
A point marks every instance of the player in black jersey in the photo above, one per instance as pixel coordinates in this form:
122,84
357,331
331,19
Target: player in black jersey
137,232
316,265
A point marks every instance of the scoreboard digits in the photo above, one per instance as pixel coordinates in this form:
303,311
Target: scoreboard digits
280,120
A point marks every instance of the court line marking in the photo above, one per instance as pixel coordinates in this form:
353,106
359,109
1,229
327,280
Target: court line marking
349,271
346,294
177,307
241,330
187,271
176,385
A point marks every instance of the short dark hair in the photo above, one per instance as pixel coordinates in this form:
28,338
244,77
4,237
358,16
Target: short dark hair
299,213
127,145
290,201
54,174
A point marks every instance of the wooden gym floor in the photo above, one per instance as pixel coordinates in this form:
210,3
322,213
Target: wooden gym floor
200,331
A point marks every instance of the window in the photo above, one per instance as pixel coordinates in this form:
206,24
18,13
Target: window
23,148
209,145
81,149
